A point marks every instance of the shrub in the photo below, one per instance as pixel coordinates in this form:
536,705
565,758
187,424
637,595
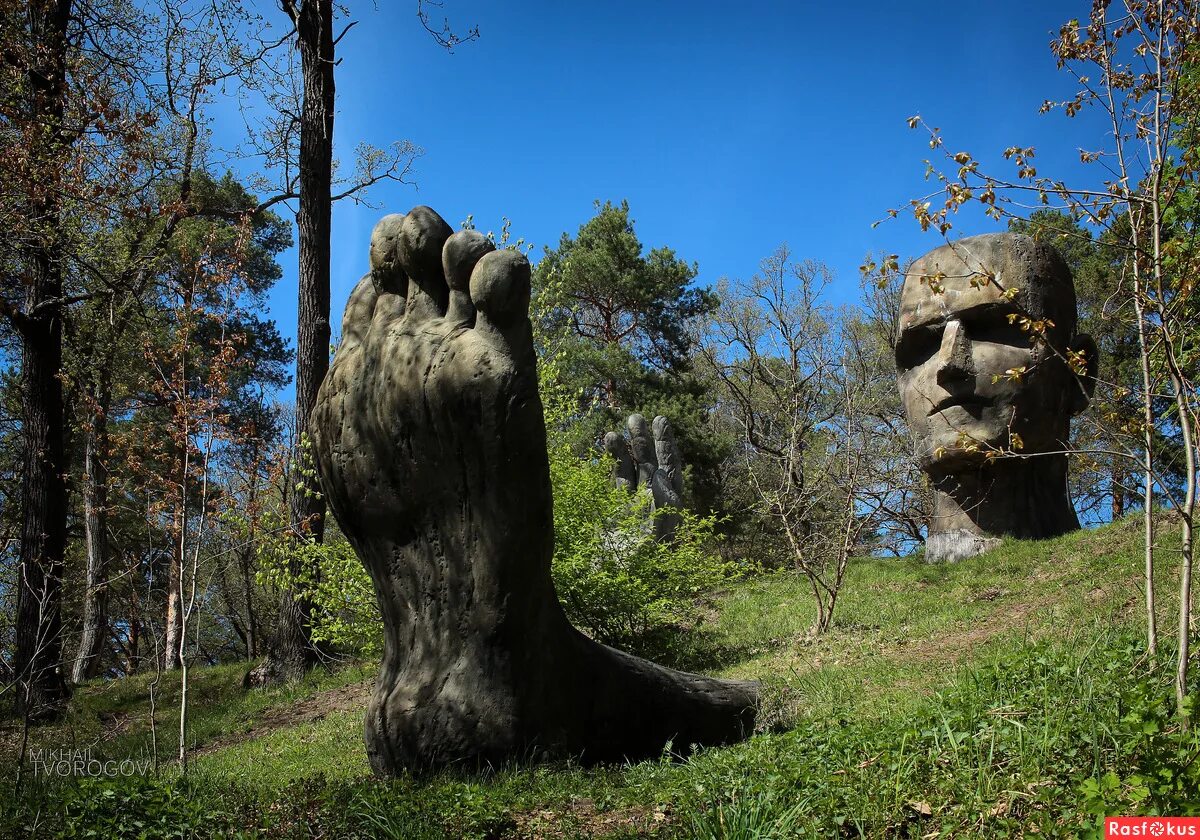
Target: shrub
345,611
614,579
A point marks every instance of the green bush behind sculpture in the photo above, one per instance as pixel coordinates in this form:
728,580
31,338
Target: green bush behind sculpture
614,580
345,615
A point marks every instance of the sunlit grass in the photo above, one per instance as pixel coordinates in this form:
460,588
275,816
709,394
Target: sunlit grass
978,699
332,746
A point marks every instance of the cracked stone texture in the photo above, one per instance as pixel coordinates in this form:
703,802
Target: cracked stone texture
431,448
957,350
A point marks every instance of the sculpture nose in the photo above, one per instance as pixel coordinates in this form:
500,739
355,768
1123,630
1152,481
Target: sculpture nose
954,357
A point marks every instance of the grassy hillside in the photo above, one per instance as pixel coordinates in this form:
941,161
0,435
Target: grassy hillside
1003,696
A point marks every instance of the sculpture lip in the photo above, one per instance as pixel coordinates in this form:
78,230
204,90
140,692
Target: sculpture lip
961,400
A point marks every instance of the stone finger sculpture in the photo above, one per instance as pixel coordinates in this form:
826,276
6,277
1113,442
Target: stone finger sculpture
652,457
667,450
624,472
641,445
431,447
667,485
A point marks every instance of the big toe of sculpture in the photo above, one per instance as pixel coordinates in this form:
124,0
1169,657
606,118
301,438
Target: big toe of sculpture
431,447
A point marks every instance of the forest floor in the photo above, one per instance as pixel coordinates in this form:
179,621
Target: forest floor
1007,695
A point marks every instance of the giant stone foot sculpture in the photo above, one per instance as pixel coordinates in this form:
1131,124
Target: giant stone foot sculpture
431,448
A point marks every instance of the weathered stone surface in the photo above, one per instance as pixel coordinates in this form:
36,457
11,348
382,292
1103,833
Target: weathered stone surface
431,448
650,460
958,544
624,472
973,382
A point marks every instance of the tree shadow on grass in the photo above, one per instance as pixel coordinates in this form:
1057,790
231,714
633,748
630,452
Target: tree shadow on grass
695,649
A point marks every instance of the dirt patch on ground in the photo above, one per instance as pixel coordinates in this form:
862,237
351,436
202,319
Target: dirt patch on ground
952,646
297,713
1014,614
580,818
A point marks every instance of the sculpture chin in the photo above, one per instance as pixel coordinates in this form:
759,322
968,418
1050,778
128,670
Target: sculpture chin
944,445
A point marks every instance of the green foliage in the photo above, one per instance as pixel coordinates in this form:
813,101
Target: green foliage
1035,741
1003,696
599,287
374,809
330,575
613,578
621,324
1039,739
747,815
505,240
142,808
1158,772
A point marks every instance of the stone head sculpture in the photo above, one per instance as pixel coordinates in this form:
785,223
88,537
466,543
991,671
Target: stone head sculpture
986,335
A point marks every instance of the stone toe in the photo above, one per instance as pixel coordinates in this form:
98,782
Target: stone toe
386,271
500,287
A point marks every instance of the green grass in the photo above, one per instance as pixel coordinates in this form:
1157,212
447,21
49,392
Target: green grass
1003,696
334,745
113,718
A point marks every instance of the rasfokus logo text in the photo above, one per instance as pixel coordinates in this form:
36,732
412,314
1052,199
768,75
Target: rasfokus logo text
1153,827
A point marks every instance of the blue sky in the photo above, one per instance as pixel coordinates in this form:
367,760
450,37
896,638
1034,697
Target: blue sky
730,129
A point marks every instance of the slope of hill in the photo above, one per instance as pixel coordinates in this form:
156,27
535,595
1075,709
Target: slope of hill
1007,695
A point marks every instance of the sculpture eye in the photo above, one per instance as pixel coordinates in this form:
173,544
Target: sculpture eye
916,345
994,328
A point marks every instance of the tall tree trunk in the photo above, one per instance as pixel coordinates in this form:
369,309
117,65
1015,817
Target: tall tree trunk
312,340
95,528
1148,471
293,652
248,593
173,632
174,628
1187,515
1117,492
38,655
37,659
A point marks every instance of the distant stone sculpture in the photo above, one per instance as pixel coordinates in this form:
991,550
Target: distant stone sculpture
989,408
652,464
431,448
